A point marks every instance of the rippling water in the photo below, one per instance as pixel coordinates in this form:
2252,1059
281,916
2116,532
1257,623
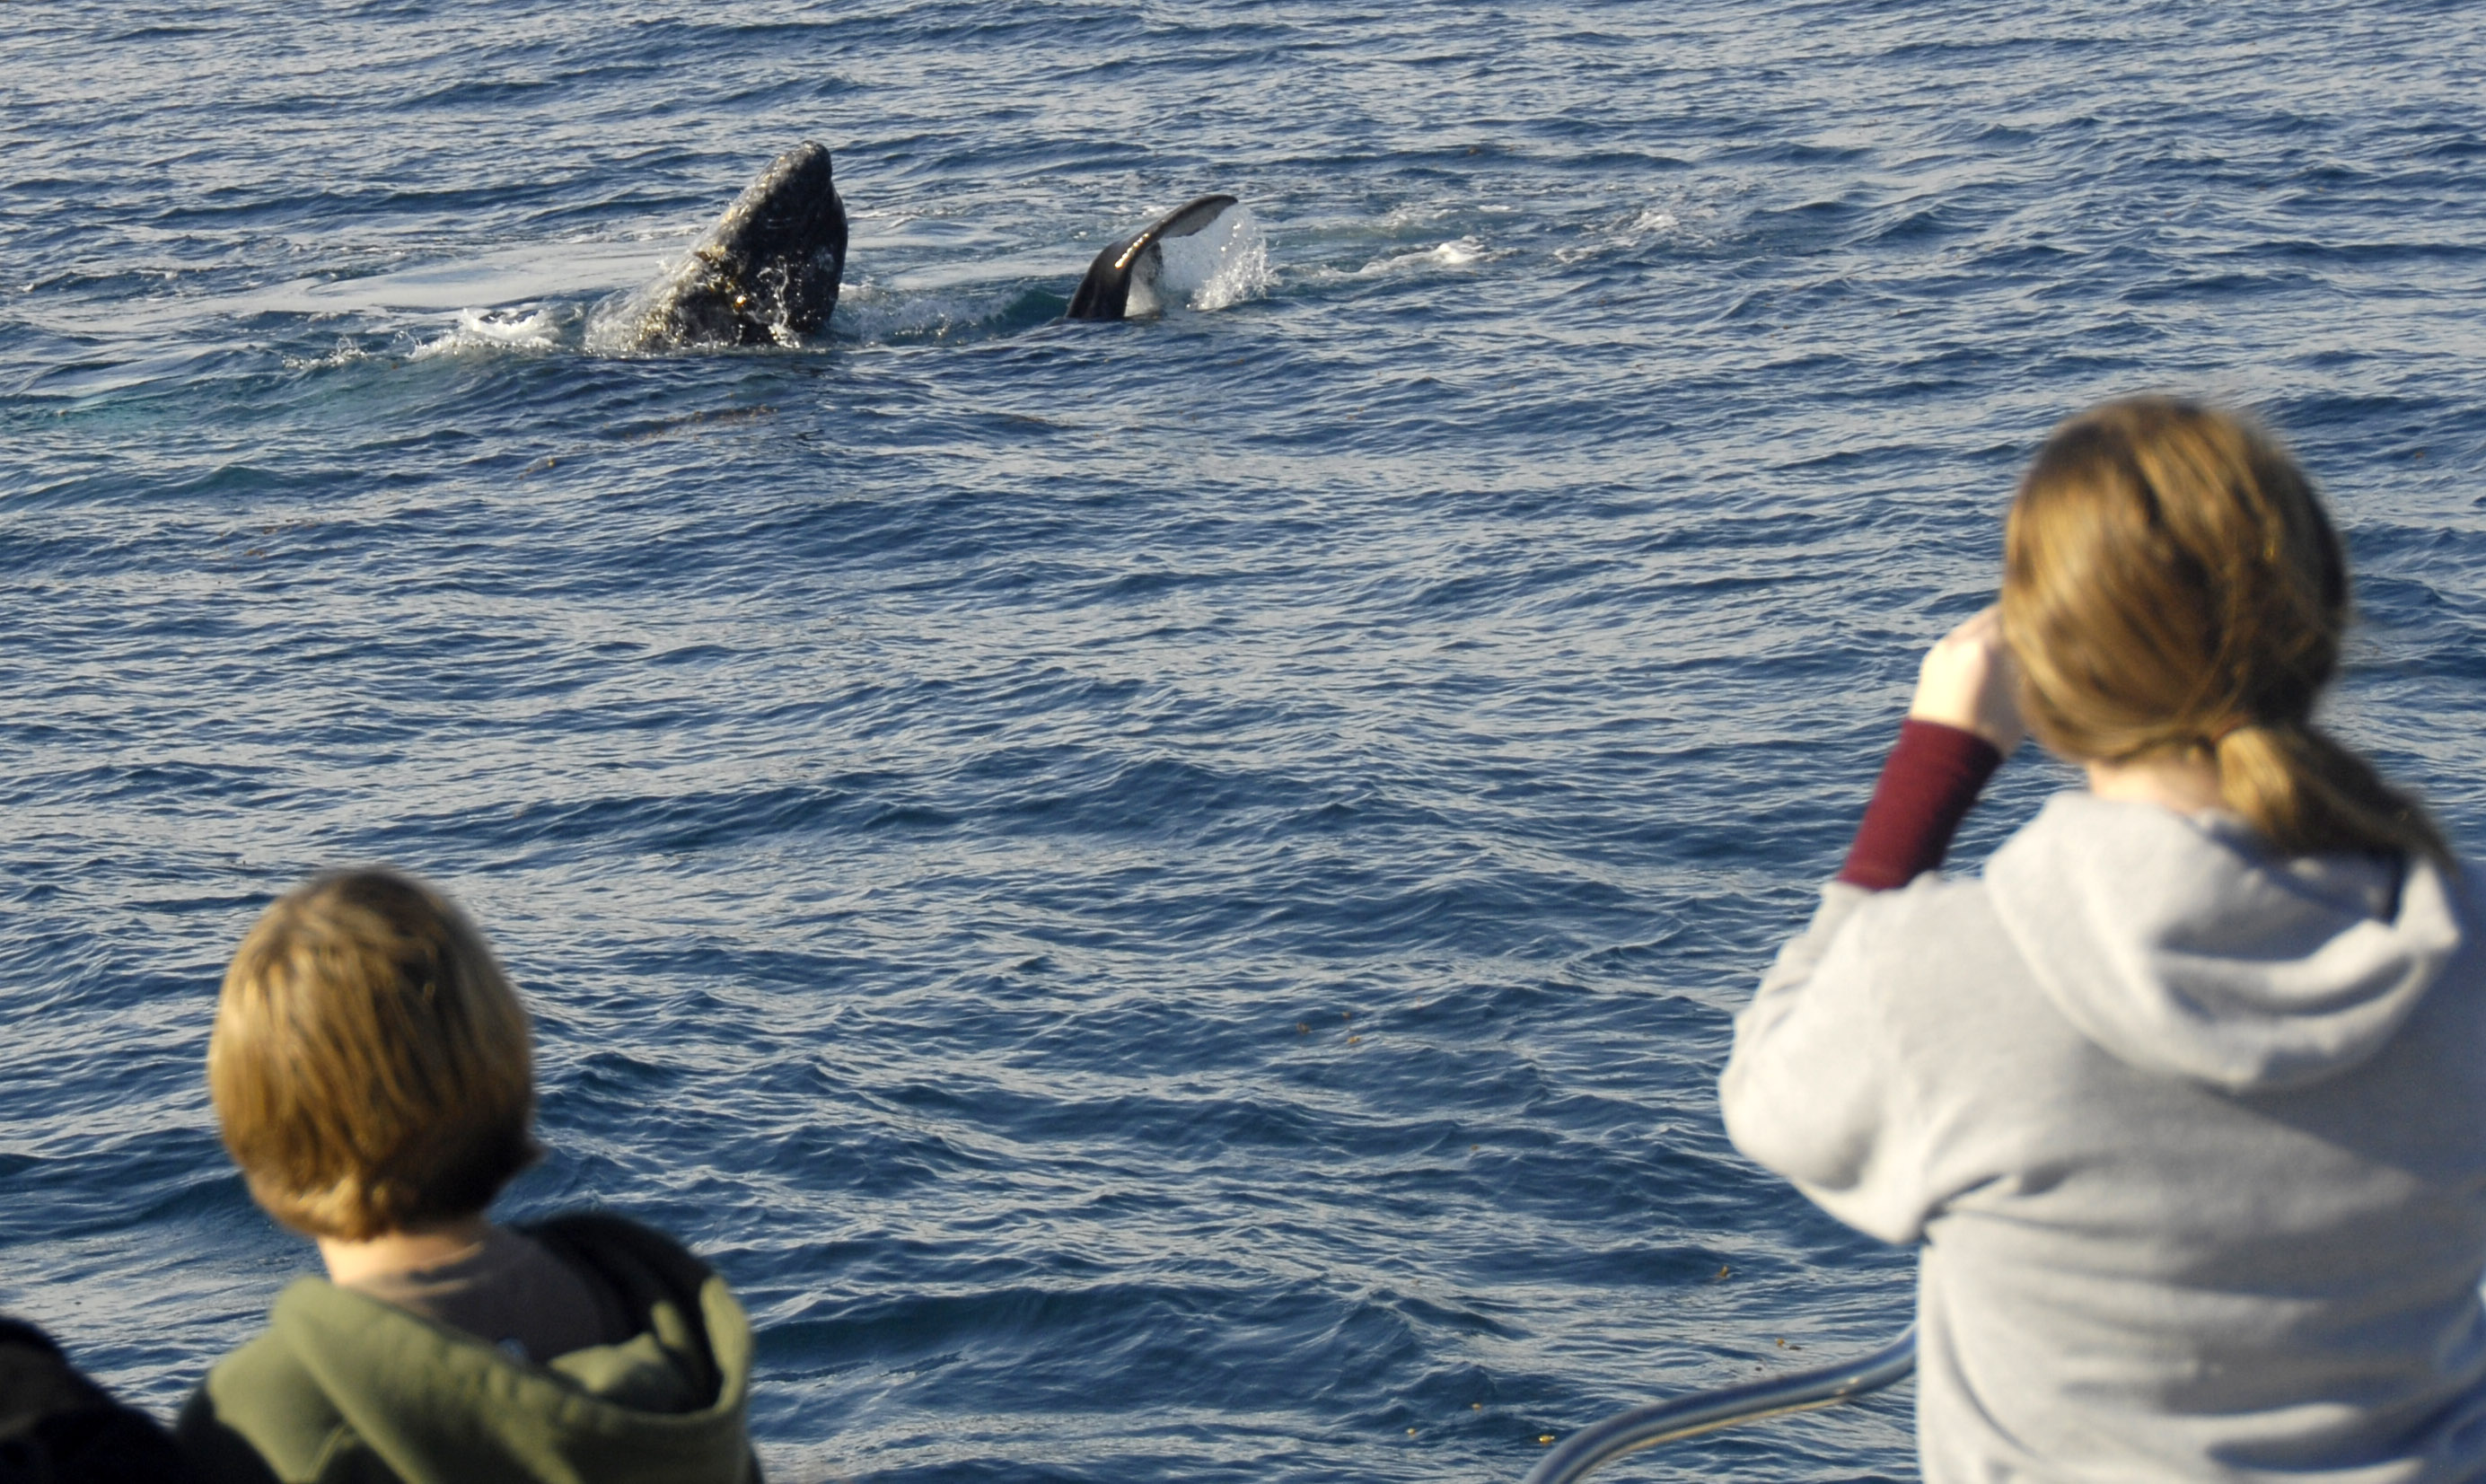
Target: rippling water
1164,898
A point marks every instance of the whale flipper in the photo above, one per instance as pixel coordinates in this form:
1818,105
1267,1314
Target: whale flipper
1135,261
766,273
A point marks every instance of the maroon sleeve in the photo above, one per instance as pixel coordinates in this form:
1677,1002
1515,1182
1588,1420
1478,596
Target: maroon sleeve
1928,786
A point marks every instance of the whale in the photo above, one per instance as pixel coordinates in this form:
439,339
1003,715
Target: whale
765,274
1122,281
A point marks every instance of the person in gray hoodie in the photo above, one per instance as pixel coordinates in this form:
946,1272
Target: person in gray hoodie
2183,1101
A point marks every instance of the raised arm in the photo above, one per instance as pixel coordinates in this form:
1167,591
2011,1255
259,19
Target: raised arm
1811,1091
1961,725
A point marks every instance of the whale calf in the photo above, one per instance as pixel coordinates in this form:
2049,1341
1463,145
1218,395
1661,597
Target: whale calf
765,274
1124,278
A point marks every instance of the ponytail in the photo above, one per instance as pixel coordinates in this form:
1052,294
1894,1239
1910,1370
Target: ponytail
2173,586
2305,793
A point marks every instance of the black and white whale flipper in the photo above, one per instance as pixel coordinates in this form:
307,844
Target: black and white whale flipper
1122,281
766,273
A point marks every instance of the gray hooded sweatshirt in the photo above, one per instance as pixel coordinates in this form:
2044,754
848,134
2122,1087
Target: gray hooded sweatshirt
2193,1138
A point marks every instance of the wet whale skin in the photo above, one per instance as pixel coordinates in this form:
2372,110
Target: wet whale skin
1105,293
767,272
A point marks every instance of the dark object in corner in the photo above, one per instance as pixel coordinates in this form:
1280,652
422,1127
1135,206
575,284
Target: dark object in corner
58,1427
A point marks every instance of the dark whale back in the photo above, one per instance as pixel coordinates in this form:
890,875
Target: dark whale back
767,272
1105,293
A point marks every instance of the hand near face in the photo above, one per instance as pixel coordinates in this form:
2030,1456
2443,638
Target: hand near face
1967,681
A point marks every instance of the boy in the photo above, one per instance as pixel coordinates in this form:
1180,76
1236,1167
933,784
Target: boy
371,1071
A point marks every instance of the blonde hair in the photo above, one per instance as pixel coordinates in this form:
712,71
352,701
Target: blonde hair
2170,586
370,1065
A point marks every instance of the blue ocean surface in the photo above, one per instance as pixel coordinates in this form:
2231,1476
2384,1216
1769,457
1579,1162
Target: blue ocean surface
1163,898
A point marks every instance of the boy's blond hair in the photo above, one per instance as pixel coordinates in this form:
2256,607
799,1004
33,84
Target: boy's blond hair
370,1064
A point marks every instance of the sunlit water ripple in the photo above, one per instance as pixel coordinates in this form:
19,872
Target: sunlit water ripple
1164,898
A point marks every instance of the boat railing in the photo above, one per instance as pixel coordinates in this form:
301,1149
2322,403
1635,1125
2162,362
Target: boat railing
1594,1447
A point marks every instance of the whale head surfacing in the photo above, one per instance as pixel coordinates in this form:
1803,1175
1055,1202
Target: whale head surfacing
765,274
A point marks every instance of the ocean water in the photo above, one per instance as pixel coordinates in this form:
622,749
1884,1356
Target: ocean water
1163,898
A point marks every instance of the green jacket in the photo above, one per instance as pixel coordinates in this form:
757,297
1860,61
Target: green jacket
345,1390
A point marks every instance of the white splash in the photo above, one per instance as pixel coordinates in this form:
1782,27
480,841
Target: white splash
344,353
1449,255
1223,263
495,329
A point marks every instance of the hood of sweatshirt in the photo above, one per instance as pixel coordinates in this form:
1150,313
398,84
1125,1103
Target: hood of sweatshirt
339,1371
2182,944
